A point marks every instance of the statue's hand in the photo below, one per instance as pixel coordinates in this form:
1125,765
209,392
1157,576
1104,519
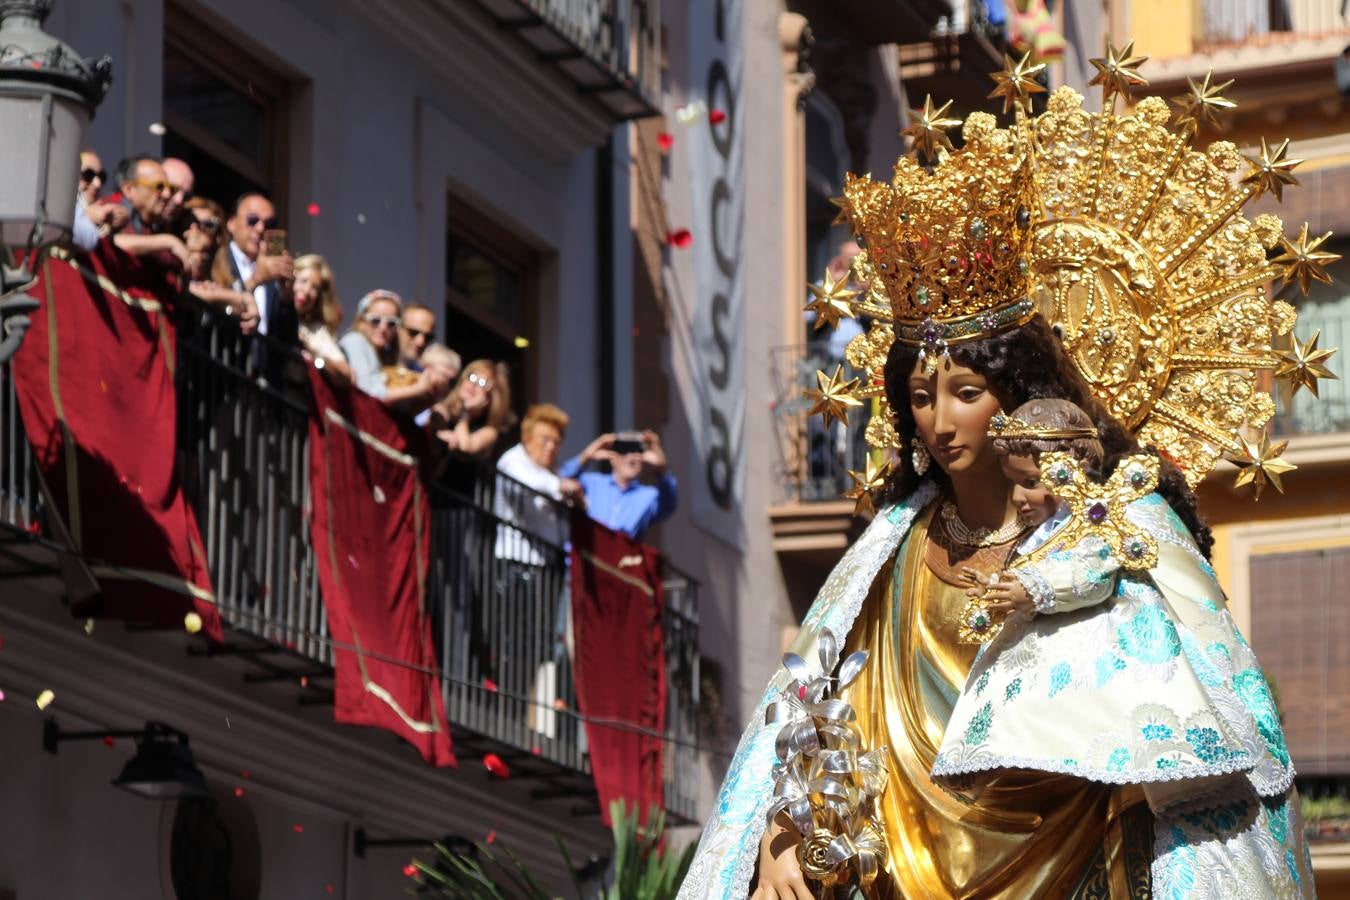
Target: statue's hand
780,875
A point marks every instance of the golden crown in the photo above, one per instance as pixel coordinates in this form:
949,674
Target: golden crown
1118,232
1011,428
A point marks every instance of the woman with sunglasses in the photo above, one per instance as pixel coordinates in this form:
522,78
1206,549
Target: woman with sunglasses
95,218
372,344
471,421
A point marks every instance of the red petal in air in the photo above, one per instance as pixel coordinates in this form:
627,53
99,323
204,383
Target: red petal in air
665,140
717,117
496,768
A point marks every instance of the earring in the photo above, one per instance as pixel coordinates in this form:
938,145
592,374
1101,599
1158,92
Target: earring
920,458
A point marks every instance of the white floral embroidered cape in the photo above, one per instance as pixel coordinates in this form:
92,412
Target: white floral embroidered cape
1243,838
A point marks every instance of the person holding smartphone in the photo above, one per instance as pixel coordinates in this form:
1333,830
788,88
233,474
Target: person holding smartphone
619,499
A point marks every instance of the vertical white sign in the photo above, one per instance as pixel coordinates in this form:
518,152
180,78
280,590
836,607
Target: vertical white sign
717,182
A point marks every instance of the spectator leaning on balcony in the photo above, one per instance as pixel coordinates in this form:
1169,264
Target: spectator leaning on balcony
618,499
470,423
529,495
200,225
417,331
320,313
144,192
372,344
180,178
95,218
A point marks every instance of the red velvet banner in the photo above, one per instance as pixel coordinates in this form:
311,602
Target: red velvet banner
620,665
370,530
95,385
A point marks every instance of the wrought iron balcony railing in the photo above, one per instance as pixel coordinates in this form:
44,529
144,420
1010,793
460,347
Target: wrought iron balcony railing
813,460
497,590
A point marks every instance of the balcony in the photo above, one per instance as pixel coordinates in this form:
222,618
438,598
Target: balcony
811,521
243,450
956,59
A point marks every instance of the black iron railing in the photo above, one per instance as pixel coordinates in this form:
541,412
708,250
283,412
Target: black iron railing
497,582
813,459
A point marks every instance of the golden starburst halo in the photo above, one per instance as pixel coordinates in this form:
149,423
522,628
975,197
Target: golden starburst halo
928,128
1272,170
1116,72
1017,82
1259,463
866,484
834,397
831,300
1202,103
1302,364
1303,262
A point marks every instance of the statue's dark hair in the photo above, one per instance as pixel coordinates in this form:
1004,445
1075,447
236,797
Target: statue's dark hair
1029,363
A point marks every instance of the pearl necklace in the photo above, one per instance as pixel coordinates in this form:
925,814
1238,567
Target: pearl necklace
962,533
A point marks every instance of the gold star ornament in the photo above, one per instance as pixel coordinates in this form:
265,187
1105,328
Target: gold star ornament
1017,82
1303,262
835,396
1302,364
1259,463
832,300
1201,105
866,485
1116,71
928,128
1272,170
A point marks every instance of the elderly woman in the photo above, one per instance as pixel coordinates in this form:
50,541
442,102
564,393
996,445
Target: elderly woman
320,313
372,344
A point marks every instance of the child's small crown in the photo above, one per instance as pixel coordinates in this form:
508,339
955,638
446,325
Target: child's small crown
1012,428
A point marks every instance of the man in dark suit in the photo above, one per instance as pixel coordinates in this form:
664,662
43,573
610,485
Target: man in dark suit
267,278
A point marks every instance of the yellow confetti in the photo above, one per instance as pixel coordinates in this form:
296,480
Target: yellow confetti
88,626
45,699
192,622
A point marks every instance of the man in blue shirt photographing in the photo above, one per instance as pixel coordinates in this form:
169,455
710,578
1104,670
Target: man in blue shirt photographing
619,499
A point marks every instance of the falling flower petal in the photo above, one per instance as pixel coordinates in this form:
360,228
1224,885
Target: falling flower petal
158,129
680,238
560,703
298,828
192,622
328,889
495,766
239,792
717,117
665,140
245,774
410,870
2,696
489,685
304,681
88,626
109,741
312,209
492,837
45,699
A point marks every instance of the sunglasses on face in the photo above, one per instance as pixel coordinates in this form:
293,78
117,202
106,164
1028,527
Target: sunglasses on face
159,187
417,333
87,175
383,321
207,226
253,220
475,378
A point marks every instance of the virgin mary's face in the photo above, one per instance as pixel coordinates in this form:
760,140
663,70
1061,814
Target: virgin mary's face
952,408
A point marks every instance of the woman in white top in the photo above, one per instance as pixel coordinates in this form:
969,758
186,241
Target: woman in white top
320,313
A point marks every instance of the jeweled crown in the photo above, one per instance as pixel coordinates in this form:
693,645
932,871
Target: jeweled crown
950,242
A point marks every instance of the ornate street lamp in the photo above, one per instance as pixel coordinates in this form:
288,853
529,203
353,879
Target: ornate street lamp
47,97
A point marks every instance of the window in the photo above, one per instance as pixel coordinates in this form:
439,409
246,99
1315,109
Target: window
490,277
223,111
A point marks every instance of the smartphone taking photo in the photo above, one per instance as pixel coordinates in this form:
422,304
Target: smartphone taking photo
274,242
626,442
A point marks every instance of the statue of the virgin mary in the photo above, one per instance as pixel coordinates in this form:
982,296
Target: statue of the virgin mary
1098,258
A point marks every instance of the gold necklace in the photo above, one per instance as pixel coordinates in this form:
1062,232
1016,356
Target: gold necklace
962,533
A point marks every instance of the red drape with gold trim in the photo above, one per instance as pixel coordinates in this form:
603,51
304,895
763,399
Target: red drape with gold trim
620,665
94,379
370,529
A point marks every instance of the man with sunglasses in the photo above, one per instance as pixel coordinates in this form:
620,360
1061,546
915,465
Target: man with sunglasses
267,277
417,330
143,192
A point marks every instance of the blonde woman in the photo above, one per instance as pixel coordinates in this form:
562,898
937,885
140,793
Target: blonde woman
320,313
